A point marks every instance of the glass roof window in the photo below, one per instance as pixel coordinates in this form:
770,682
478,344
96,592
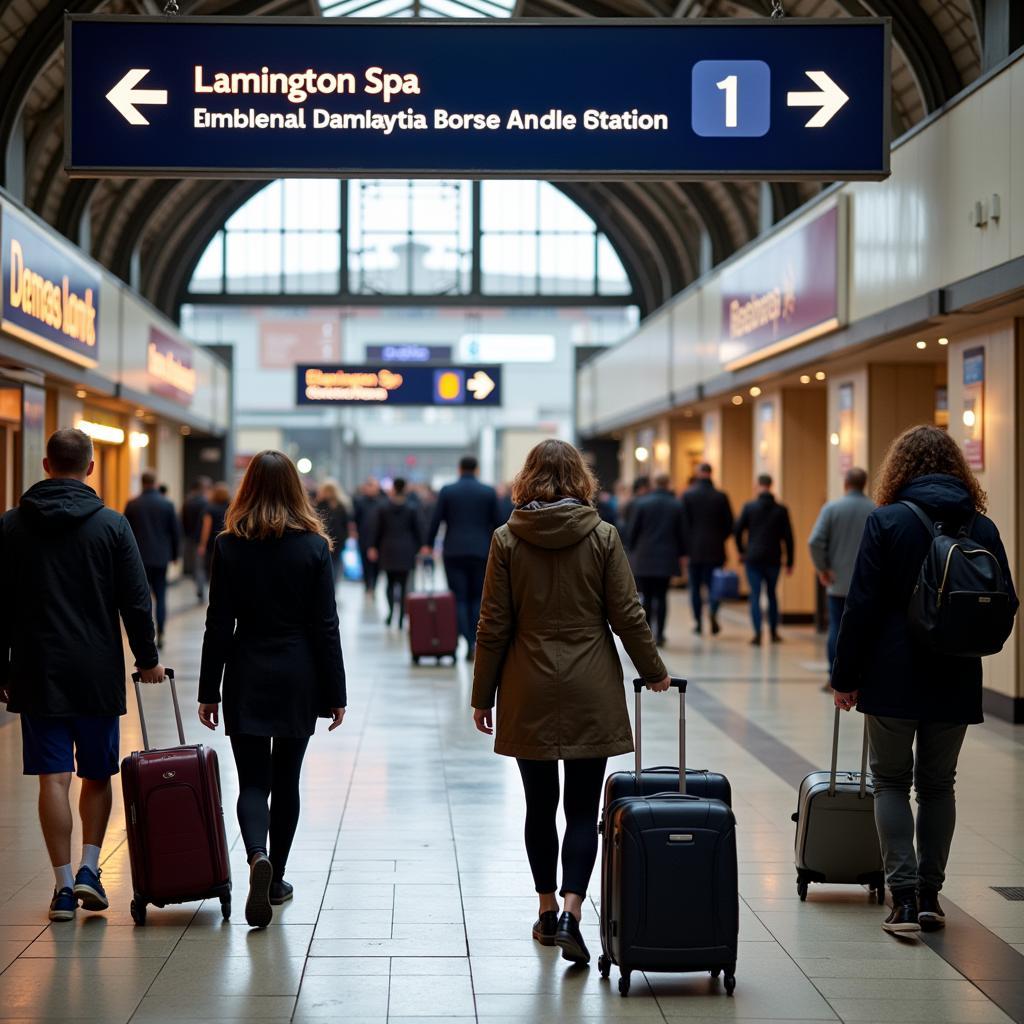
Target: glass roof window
417,8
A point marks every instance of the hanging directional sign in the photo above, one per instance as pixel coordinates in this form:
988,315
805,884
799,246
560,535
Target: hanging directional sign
372,384
611,99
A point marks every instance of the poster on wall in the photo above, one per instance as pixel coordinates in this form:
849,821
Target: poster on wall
973,415
846,427
33,434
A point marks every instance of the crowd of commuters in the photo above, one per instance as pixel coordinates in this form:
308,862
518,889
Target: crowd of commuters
547,679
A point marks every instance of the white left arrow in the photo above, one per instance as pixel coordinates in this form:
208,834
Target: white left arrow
480,384
124,96
831,99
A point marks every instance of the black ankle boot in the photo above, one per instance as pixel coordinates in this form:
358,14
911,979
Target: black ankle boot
545,927
930,914
569,939
902,919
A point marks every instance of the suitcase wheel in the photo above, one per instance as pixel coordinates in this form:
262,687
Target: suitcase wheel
624,983
225,907
604,965
138,911
801,888
730,983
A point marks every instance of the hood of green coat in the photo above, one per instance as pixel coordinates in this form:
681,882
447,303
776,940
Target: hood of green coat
560,524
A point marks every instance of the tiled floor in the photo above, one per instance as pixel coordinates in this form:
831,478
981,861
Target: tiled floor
413,897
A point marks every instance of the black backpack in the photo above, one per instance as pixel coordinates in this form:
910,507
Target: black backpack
960,606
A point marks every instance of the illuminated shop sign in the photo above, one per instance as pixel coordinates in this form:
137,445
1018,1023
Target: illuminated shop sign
50,298
331,384
571,98
784,293
170,367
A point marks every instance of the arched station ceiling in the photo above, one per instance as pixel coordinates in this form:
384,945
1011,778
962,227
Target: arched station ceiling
657,227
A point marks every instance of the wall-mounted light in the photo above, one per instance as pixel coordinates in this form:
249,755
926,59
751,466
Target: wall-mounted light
820,375
755,391
834,440
304,465
662,451
185,430
943,341
922,344
81,394
139,413
737,399
970,418
101,432
805,378
138,439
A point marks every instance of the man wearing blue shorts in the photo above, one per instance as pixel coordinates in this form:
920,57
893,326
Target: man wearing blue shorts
70,571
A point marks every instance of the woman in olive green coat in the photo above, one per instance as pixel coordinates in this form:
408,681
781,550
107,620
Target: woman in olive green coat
557,584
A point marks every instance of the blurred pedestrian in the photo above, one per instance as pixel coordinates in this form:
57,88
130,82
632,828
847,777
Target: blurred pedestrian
834,542
707,515
70,574
272,634
332,507
366,506
505,504
469,511
641,485
192,511
763,531
657,542
155,525
397,541
213,523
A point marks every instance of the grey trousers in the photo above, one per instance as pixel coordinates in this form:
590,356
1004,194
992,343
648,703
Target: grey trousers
931,768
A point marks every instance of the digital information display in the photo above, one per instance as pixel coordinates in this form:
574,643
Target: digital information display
334,384
614,99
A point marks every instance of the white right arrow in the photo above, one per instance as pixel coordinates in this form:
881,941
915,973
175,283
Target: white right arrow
480,384
124,96
830,99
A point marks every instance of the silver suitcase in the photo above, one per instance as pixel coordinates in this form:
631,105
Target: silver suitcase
836,838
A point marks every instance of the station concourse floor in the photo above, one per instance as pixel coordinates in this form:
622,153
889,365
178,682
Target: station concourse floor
413,895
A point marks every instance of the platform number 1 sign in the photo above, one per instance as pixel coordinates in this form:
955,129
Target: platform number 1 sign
731,98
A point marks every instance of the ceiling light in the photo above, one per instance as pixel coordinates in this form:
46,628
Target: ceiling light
834,440
805,378
969,418
81,394
755,391
737,399
922,344
820,375
185,430
138,439
641,454
943,341
101,431
304,465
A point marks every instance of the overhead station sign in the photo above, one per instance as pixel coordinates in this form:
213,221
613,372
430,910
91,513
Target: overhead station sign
333,384
570,99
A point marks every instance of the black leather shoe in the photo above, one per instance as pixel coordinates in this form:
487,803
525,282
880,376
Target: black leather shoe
755,640
716,626
929,912
258,911
545,927
280,892
776,639
902,919
570,941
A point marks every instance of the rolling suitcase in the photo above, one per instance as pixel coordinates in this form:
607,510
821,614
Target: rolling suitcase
172,804
433,627
669,886
836,838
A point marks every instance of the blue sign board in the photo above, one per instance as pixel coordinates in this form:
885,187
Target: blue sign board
409,352
51,299
372,384
558,99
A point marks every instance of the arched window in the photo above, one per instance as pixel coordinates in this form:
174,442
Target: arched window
436,240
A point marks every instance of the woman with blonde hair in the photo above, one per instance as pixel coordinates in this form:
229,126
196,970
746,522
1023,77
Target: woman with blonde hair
918,702
558,583
272,633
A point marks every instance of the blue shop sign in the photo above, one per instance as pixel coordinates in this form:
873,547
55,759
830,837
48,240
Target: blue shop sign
373,384
51,299
609,99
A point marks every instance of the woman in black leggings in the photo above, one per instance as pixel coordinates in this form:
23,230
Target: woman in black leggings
272,633
396,540
557,585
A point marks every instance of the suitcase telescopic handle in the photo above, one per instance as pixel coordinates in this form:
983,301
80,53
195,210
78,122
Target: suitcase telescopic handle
638,688
137,679
835,758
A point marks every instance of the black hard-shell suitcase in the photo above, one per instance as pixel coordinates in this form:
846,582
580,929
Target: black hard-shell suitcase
669,886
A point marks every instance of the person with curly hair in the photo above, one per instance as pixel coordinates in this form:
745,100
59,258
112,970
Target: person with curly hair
918,703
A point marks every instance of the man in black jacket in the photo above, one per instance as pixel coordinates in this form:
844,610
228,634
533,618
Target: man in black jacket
707,516
155,525
762,531
470,512
192,512
69,567
657,546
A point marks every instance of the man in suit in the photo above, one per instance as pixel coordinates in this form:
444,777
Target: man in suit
155,525
470,512
657,545
707,515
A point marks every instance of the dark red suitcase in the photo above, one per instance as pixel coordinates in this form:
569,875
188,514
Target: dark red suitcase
433,628
175,822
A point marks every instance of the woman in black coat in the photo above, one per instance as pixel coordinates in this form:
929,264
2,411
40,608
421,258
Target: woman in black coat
272,632
333,510
398,536
912,696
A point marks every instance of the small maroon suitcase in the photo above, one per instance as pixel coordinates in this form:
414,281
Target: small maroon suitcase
433,630
175,822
